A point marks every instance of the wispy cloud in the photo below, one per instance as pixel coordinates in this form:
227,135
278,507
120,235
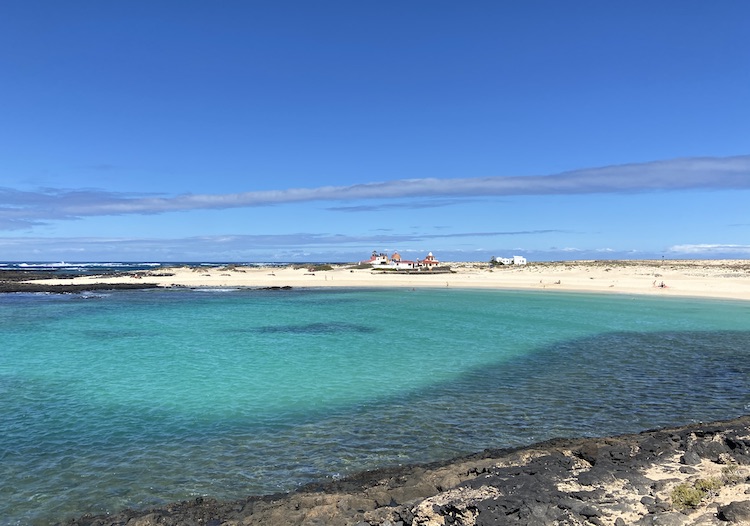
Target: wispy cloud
708,248
226,247
277,240
410,205
23,209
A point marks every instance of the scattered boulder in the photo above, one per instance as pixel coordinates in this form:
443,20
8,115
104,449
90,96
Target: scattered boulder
690,458
737,512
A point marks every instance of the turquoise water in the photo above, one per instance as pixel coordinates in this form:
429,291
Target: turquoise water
134,398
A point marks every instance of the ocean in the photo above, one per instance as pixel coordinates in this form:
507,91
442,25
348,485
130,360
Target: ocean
82,268
136,398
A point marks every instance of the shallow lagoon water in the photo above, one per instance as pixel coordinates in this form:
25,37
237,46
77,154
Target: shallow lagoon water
134,398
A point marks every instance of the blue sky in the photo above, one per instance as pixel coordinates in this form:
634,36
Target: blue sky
320,131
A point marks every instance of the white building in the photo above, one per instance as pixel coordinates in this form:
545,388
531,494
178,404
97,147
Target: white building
515,260
403,263
377,259
430,261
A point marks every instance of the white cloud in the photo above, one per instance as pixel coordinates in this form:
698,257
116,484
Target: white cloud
24,209
708,248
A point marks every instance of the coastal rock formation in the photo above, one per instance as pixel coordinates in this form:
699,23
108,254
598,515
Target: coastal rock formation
6,287
692,475
35,282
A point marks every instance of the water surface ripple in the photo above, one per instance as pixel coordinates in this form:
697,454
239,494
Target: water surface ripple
134,398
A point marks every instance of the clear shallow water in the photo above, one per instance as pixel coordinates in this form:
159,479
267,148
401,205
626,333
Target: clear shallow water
133,398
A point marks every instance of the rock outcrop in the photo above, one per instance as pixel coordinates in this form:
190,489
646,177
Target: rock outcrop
692,475
34,282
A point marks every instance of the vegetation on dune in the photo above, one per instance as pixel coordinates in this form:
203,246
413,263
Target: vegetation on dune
315,267
687,495
691,494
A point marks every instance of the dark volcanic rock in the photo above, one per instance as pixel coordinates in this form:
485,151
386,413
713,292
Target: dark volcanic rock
33,281
690,458
71,289
738,512
571,482
709,450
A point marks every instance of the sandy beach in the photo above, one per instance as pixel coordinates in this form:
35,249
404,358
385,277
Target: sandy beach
729,279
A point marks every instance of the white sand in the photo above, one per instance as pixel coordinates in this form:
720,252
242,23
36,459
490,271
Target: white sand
700,278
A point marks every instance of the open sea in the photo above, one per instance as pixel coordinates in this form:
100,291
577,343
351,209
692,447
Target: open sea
136,398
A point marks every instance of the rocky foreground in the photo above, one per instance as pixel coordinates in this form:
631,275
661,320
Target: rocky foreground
692,475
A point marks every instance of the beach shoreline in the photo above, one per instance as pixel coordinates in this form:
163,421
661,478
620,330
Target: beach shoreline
721,279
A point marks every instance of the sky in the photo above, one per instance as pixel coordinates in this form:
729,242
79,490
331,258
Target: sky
249,131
